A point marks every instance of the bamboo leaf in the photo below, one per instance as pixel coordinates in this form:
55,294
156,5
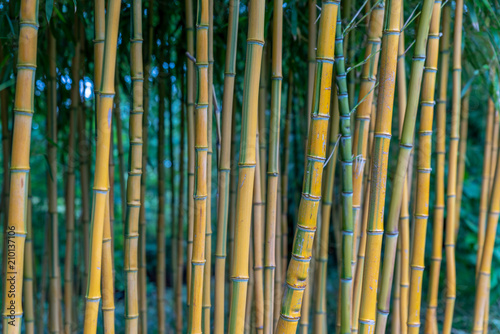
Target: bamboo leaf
60,15
49,7
473,17
7,84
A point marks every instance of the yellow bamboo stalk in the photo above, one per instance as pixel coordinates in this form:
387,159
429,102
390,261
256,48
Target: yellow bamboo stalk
424,171
108,295
70,188
263,88
378,167
201,157
462,151
316,155
484,274
191,151
247,161
452,170
134,181
207,275
272,197
483,202
438,219
321,272
404,225
225,166
101,180
363,112
55,275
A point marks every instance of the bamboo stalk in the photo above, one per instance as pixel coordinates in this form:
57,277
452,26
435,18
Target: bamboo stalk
134,180
191,151
396,297
225,166
483,202
452,170
55,278
483,277
462,151
29,270
201,156
284,175
272,197
320,295
438,219
207,275
108,295
100,190
160,227
278,277
362,114
180,217
70,189
379,164
144,100
247,161
263,88
119,142
316,156
258,246
494,150
424,172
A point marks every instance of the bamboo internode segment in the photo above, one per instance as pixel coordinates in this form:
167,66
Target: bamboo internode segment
201,155
424,171
452,170
301,253
247,162
191,155
438,219
101,180
272,207
136,135
225,166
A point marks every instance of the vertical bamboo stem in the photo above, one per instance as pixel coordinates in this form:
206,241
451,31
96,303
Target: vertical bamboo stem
273,168
452,170
201,156
134,191
462,152
423,172
483,202
247,161
100,190
316,155
225,166
438,219
29,270
108,294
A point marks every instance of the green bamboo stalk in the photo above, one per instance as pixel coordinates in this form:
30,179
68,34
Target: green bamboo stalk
225,165
272,198
464,123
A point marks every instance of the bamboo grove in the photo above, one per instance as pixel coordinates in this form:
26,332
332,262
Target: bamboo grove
250,167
